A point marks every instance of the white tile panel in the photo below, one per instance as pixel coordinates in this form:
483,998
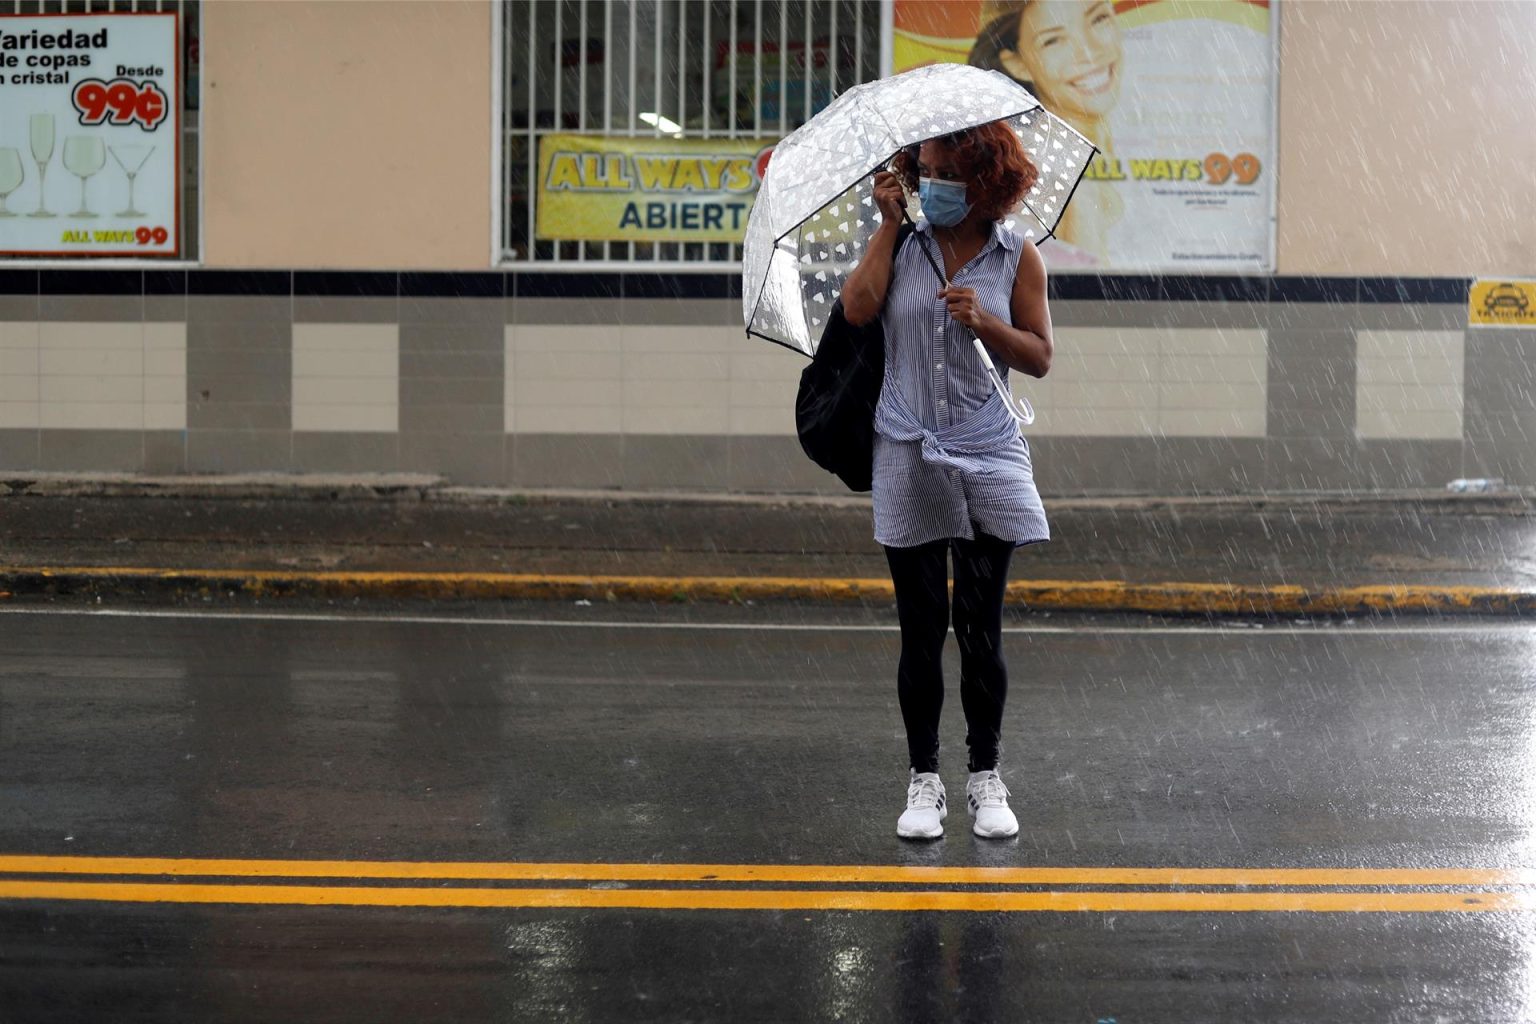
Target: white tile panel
660,366
757,394
510,357
1220,342
666,393
341,364
1422,424
568,419
165,362
1198,366
165,376
82,388
779,365
1093,366
19,415
22,334
60,335
167,336
319,391
562,338
93,415
114,362
676,419
19,361
90,375
346,377
166,415
17,386
674,338
762,421
323,417
1245,422
1079,422
1108,341
1410,385
1085,394
1108,381
1189,395
575,365
555,393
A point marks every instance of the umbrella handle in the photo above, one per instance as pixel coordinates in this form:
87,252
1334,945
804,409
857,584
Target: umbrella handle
1018,407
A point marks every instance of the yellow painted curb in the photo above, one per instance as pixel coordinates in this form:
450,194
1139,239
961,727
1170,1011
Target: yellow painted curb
1172,597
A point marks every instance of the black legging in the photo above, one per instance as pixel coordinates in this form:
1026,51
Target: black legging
921,577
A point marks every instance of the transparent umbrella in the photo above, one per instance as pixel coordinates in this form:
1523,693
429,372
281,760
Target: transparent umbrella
815,211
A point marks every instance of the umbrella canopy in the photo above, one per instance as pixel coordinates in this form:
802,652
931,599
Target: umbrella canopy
815,211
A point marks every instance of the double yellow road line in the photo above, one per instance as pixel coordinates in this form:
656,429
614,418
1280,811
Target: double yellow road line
762,886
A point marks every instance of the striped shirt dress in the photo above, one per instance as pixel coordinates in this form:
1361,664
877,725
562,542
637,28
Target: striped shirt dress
948,459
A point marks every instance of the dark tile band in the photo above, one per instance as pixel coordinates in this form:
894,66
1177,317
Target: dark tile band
497,284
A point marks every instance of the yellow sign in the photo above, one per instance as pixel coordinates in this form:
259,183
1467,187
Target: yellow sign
595,188
1496,303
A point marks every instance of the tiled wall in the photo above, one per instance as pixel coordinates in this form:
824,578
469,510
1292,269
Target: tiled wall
1152,381
1168,385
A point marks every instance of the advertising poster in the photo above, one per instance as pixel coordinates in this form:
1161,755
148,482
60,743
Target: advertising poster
1176,94
594,188
90,136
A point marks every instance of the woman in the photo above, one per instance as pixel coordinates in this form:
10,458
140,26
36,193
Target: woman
1069,54
951,474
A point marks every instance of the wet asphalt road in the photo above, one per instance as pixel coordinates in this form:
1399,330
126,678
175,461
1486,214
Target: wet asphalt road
551,738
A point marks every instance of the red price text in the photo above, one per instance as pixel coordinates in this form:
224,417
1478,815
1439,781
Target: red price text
121,101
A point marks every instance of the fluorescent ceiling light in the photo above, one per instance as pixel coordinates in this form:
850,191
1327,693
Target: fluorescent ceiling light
665,124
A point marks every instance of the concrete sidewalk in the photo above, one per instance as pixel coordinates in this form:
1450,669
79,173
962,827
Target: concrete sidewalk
411,537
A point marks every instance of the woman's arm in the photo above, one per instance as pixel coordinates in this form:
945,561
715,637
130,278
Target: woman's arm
1025,344
864,291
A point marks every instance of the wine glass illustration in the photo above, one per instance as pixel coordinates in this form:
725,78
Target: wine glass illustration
42,152
12,175
130,157
84,155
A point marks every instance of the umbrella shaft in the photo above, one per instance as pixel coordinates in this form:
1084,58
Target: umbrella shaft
931,261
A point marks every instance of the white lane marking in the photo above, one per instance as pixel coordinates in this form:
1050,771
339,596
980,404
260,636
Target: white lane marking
1318,628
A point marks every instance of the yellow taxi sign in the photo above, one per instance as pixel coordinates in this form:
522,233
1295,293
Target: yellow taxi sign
1496,302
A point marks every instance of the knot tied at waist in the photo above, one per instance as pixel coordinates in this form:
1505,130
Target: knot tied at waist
988,429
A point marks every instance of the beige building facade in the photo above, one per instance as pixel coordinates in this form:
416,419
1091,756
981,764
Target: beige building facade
349,311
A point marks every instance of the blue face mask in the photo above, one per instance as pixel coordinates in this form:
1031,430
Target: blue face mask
943,201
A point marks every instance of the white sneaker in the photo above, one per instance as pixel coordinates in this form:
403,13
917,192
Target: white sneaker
987,799
926,808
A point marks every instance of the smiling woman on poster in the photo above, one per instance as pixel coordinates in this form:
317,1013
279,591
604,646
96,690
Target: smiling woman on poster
1069,54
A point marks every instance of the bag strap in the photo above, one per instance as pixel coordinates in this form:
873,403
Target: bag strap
905,232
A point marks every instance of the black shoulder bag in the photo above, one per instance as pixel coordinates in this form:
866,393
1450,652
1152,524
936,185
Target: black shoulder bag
835,406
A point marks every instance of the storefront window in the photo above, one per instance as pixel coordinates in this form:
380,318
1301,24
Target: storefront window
640,126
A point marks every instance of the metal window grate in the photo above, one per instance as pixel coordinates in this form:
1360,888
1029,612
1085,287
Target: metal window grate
714,68
190,99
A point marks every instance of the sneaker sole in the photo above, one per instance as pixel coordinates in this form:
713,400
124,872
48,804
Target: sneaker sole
976,828
935,834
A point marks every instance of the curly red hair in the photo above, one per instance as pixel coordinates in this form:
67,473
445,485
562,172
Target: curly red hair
992,159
